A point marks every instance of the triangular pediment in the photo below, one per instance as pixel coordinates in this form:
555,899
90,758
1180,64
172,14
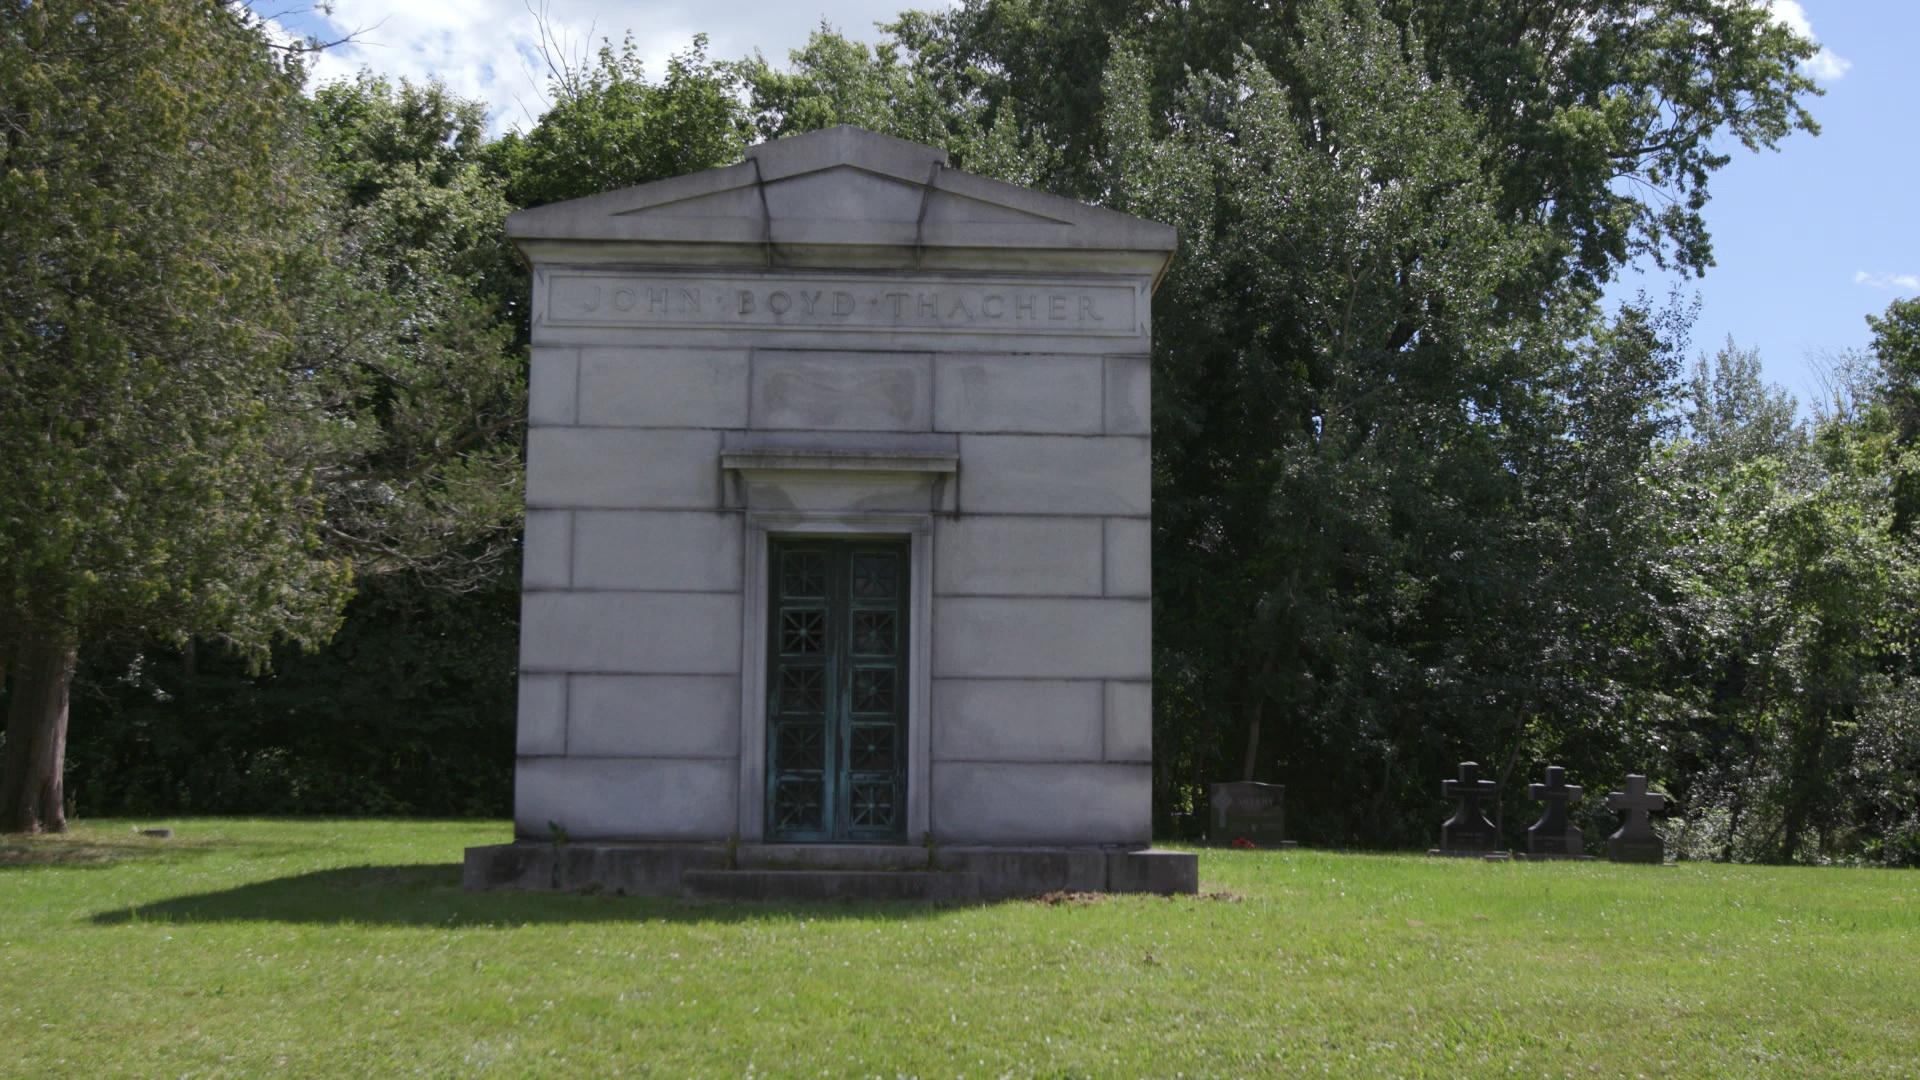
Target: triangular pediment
842,193
840,187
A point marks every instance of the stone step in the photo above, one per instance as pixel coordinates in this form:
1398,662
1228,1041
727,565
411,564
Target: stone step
823,884
831,857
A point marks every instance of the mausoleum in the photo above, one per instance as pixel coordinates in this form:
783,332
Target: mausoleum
837,541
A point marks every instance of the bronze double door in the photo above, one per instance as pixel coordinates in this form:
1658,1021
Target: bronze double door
836,690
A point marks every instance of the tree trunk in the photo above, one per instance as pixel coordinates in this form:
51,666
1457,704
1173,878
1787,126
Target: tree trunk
31,795
1250,756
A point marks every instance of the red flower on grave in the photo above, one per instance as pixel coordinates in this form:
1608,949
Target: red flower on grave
1243,843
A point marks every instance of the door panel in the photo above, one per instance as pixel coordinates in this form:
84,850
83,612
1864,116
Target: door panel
836,723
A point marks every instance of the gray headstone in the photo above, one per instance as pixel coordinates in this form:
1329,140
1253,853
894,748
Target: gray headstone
1468,832
1636,841
1245,810
1554,835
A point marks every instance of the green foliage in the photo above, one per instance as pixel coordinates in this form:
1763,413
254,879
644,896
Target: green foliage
1796,595
408,710
834,80
1605,112
411,334
609,127
152,203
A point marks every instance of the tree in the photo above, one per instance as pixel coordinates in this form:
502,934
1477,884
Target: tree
611,127
834,80
152,204
1605,113
411,334
904,87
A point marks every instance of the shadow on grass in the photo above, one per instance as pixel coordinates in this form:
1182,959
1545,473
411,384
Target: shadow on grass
99,852
429,894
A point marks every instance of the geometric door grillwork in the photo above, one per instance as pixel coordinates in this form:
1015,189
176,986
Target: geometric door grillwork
836,708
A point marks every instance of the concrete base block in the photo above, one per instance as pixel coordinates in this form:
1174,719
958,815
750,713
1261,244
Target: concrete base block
827,871
1008,871
509,866
1153,871
628,869
1653,852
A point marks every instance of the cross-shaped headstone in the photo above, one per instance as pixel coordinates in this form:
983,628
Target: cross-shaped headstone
1468,831
1553,834
1636,841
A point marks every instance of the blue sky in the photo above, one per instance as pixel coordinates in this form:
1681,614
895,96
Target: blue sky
1808,240
1812,239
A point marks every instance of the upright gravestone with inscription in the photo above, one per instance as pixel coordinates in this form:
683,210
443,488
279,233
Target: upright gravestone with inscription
1247,812
837,544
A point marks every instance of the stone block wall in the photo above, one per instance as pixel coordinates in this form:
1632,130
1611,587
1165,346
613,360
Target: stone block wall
634,577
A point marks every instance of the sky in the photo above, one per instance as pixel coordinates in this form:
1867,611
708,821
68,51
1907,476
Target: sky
1808,240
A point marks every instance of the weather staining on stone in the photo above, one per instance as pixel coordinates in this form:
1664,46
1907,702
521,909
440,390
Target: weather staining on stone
1636,841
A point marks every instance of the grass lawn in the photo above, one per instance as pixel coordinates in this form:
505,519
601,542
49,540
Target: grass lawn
347,947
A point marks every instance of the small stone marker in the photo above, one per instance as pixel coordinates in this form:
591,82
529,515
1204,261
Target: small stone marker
1245,810
1468,832
1553,836
1636,841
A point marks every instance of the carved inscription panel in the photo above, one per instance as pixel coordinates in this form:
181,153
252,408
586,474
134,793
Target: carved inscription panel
942,305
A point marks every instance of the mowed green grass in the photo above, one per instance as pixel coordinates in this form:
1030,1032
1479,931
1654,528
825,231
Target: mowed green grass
347,947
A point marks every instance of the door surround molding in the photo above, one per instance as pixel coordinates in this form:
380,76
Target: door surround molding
917,529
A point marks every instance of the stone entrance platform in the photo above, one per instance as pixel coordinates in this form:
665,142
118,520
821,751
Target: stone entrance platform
827,871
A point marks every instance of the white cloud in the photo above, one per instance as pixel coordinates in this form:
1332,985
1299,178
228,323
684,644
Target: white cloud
1825,65
490,49
1888,282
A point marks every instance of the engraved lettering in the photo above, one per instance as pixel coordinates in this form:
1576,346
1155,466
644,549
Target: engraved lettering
916,303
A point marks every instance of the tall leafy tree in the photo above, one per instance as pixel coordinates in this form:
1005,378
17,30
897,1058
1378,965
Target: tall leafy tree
408,336
611,126
152,204
412,333
1611,115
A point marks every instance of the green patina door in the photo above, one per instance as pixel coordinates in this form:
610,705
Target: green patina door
837,690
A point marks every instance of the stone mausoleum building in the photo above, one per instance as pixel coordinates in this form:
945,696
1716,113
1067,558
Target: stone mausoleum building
837,541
